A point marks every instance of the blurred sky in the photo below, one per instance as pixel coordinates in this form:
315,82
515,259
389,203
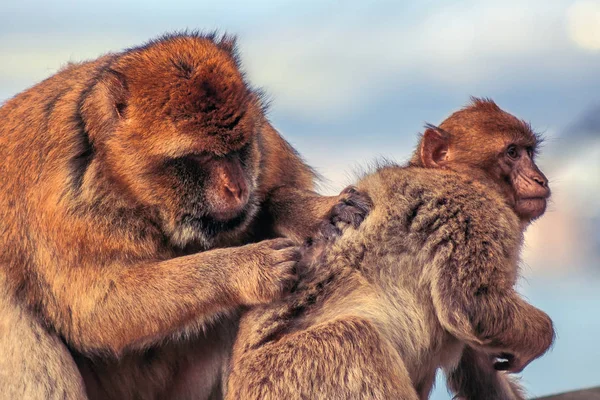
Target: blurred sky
354,80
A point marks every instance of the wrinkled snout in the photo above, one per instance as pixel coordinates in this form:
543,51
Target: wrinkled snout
532,190
230,190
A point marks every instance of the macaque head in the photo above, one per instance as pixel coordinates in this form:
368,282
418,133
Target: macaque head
180,133
494,147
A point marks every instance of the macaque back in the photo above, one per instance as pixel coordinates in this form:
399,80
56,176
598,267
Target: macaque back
384,306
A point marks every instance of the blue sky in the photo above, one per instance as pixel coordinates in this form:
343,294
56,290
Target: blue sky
354,80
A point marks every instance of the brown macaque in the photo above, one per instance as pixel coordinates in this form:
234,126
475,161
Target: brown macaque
425,282
471,138
136,190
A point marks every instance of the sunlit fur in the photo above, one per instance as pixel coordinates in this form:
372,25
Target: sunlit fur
474,143
120,243
478,137
431,270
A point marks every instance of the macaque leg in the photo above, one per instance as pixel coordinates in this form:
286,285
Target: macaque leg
342,359
34,364
475,378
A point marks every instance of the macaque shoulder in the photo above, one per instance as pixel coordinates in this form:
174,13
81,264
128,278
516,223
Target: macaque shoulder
418,207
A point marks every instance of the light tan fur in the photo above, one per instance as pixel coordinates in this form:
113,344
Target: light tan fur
23,339
430,270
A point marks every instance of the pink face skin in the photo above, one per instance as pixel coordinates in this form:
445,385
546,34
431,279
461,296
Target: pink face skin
530,186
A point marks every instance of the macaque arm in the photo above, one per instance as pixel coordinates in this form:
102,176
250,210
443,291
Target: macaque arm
35,363
475,378
124,306
491,318
297,213
294,210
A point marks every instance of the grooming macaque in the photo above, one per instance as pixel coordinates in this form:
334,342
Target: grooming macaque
126,181
426,281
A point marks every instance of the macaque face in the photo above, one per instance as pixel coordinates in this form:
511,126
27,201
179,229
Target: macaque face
527,186
187,141
215,192
490,145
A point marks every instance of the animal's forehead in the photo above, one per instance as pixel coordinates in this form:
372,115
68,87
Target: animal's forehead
493,126
509,129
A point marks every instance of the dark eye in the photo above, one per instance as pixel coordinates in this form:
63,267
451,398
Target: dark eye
512,152
201,158
530,152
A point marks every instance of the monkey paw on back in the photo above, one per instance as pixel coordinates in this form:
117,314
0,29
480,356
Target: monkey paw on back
351,210
261,285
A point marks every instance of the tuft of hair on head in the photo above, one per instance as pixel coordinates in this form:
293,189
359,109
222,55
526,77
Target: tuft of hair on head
225,41
482,104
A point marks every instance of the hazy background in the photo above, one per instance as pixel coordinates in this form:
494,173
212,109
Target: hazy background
353,80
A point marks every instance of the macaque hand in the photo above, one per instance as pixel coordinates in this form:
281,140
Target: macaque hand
267,270
351,210
515,361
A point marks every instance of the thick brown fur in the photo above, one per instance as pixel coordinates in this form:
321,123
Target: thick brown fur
125,182
476,139
426,282
430,270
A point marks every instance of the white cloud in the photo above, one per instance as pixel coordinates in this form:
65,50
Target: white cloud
584,24
326,70
34,57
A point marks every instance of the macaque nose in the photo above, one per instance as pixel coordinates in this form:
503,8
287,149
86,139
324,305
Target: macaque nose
236,191
229,192
541,180
542,190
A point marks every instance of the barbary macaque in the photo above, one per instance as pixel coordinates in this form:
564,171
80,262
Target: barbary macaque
426,281
143,202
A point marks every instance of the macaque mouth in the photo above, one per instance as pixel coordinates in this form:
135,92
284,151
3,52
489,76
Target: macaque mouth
210,226
531,207
227,215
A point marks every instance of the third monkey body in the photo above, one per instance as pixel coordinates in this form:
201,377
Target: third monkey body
426,282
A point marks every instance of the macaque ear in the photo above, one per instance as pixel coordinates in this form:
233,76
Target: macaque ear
106,104
117,89
434,147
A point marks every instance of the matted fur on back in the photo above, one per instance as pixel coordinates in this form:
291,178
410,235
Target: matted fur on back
427,229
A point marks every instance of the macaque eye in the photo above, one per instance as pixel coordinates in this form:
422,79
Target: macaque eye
201,158
530,152
512,152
